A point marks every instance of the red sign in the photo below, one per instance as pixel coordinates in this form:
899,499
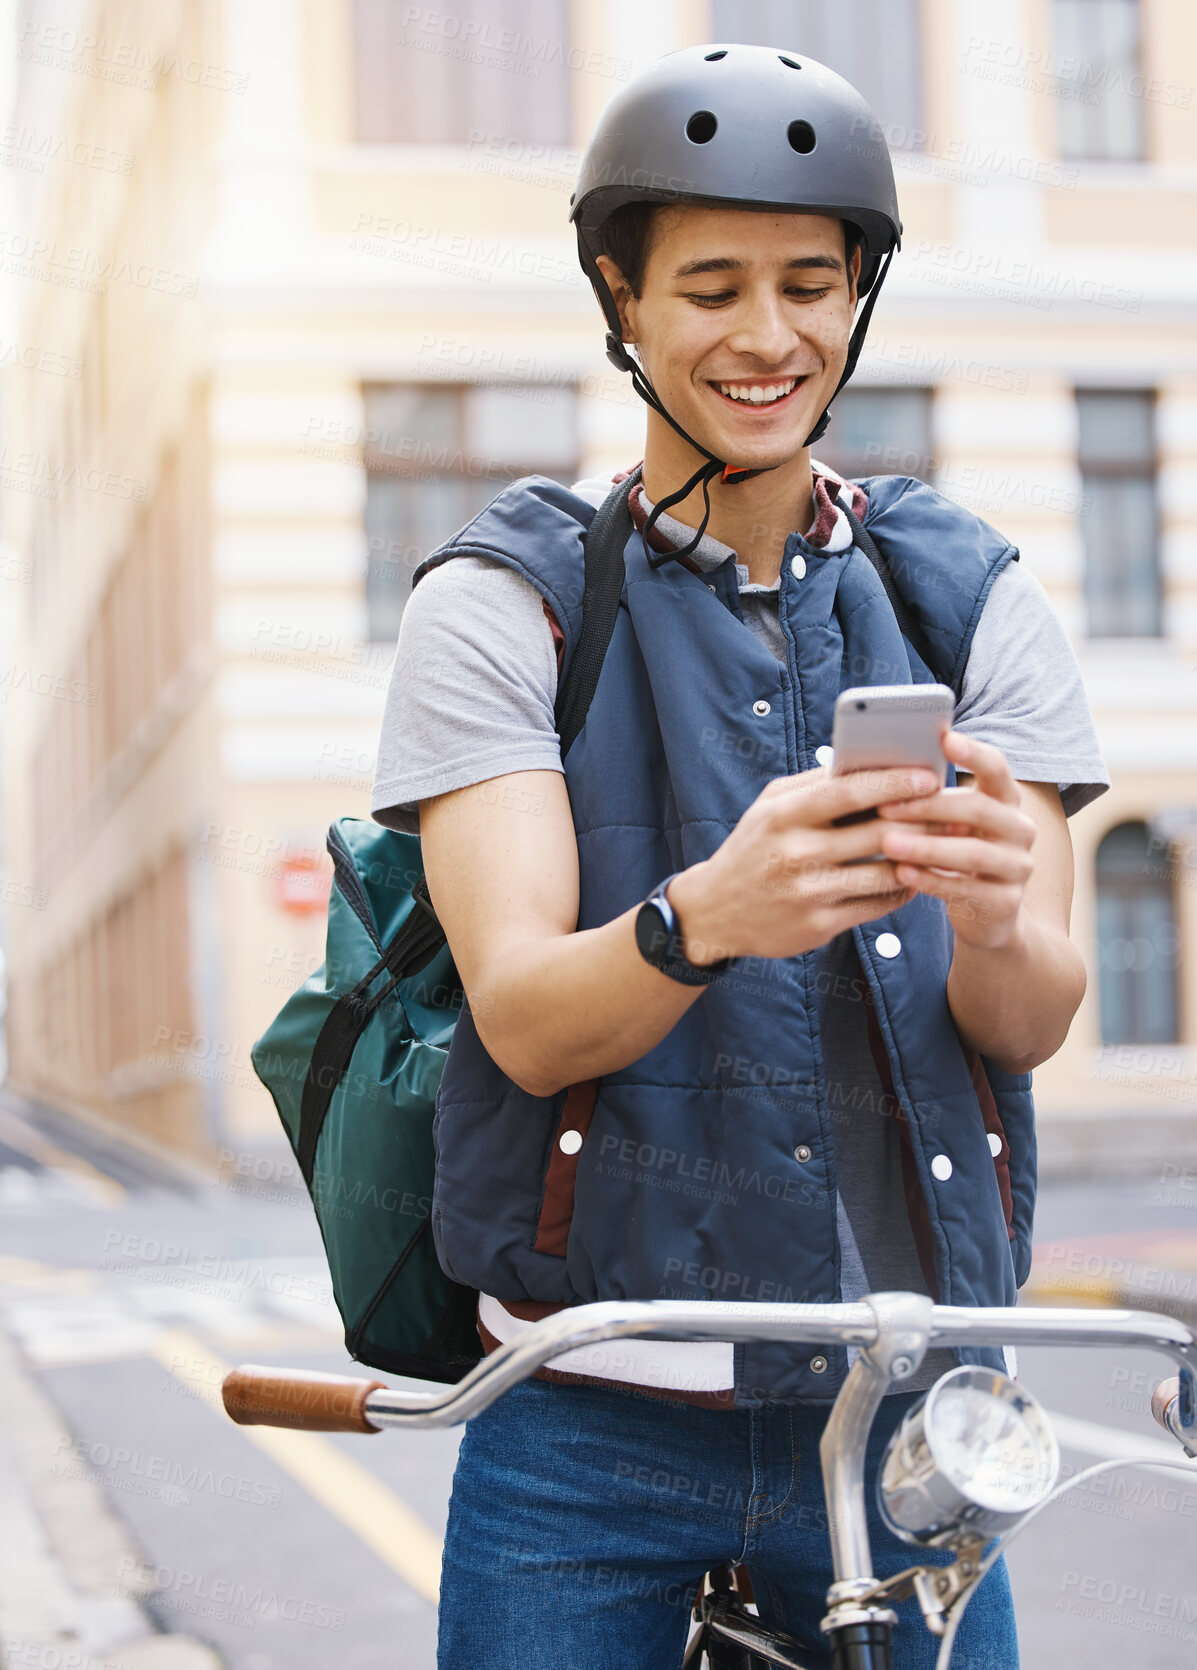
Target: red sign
302,885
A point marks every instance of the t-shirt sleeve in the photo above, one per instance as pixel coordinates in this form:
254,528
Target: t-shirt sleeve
472,688
1022,692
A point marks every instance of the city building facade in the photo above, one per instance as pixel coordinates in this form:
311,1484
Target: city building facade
294,292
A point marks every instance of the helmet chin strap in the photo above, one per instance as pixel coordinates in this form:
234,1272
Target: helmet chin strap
730,474
855,343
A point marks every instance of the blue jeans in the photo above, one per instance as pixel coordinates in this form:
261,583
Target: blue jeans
583,1518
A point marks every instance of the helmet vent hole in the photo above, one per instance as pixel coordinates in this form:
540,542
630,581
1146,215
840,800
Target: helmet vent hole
714,57
801,137
700,129
791,63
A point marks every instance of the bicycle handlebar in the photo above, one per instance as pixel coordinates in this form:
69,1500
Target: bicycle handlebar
328,1403
1166,1407
298,1398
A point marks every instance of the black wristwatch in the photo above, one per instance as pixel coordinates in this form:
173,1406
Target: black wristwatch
659,939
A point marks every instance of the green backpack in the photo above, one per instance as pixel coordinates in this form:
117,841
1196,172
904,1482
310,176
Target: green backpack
354,1058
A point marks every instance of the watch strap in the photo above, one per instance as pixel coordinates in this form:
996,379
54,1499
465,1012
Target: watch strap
665,950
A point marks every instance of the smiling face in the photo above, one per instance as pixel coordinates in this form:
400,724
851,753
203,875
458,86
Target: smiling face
742,323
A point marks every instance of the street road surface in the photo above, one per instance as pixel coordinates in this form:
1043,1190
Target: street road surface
129,1294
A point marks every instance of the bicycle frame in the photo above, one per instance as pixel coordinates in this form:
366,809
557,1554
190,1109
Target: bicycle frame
892,1332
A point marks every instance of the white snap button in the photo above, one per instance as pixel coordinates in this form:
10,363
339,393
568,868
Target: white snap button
569,1142
802,1153
887,945
818,1365
798,566
825,755
941,1167
995,1143
761,708
710,587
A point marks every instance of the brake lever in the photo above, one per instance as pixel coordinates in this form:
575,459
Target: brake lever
937,1588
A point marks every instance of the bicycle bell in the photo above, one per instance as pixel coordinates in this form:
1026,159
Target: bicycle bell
969,1460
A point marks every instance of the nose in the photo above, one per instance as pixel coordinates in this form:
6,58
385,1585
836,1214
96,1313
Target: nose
761,328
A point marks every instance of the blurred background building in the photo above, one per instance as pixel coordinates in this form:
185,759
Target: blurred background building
293,292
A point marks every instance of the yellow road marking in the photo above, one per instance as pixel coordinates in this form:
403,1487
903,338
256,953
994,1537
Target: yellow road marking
382,1520
1078,1290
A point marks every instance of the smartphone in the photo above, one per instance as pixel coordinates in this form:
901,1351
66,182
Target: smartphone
890,725
884,725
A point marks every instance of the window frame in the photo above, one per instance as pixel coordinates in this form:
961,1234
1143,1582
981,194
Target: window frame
1125,468
1125,889
927,460
458,96
496,477
1104,158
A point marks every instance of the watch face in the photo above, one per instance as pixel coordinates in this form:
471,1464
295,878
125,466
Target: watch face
652,936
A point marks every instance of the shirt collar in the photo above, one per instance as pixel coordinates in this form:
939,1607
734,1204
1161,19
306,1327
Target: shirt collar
828,532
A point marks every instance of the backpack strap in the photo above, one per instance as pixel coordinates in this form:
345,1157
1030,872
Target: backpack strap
412,948
421,936
907,625
603,549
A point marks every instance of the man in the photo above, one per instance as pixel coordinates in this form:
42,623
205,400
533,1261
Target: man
823,1088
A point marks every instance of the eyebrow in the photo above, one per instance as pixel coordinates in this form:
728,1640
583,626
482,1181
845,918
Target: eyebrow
729,264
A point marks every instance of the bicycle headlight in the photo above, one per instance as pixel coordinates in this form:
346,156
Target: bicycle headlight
970,1459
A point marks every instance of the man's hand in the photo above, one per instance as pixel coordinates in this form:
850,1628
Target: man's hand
973,849
787,879
1016,978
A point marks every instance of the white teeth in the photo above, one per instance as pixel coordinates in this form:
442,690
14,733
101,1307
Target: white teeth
755,395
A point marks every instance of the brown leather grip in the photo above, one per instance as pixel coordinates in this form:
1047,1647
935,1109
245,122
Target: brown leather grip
1162,1397
298,1398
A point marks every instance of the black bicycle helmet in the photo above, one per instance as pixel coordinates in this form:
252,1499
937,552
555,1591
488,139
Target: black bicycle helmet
745,125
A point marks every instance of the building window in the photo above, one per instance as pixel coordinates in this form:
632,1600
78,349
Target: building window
879,432
1119,518
499,68
437,453
874,44
1138,941
1098,85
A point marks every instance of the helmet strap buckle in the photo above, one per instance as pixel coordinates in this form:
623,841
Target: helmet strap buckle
617,353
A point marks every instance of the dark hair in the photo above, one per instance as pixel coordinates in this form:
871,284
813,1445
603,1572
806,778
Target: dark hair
626,237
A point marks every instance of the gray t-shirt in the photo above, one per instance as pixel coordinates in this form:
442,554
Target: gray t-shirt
475,677
471,697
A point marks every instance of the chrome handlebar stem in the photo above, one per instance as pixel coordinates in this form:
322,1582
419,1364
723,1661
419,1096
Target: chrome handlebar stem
904,1329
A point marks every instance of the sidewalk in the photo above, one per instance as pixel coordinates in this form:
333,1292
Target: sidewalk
68,1593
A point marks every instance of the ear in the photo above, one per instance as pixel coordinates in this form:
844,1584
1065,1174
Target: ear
621,292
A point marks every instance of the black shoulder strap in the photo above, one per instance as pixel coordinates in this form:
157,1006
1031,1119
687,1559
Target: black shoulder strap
603,548
421,935
412,948
909,627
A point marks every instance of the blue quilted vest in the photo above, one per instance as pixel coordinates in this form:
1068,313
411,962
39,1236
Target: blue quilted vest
687,1181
